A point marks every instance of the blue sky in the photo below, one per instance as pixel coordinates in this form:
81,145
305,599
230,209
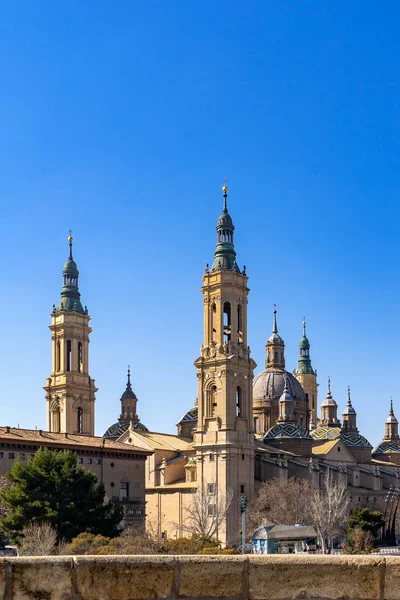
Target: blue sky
121,120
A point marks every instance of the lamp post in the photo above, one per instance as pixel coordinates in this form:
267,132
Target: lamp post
243,506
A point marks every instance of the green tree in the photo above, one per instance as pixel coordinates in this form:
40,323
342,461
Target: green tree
365,519
52,488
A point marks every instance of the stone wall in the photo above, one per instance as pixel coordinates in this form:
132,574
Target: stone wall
200,577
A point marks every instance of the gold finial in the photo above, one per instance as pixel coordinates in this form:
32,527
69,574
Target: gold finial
70,238
225,187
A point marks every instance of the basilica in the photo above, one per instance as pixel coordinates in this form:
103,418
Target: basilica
242,431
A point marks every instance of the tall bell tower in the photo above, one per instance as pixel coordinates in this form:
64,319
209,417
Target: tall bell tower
70,392
224,438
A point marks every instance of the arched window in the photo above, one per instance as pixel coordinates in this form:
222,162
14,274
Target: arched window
276,355
57,420
227,322
58,357
213,315
213,401
239,402
80,420
239,324
69,355
80,357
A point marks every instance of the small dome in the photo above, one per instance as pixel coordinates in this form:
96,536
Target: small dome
386,447
225,220
128,393
285,430
116,430
190,416
271,384
275,338
391,419
355,440
349,410
70,267
329,401
304,343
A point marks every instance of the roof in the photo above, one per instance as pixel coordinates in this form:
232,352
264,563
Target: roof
270,384
68,440
387,447
189,485
164,441
171,461
284,532
286,430
323,449
190,416
117,429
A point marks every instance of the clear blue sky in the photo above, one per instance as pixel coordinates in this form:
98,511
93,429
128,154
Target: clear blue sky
120,120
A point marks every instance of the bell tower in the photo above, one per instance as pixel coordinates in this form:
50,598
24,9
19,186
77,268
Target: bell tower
224,437
70,392
307,376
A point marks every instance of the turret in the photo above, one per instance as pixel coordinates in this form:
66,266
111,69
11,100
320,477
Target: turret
307,376
391,425
275,347
349,416
286,405
329,410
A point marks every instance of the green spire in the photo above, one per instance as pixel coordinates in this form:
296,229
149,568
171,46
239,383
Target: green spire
70,295
225,255
304,362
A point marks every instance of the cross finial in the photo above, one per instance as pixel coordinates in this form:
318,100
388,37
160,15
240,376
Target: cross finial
225,194
329,384
129,374
274,325
70,239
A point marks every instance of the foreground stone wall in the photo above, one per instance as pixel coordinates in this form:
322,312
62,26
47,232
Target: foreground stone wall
198,577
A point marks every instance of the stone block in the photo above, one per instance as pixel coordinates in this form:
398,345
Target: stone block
2,577
210,576
127,577
41,578
392,578
329,577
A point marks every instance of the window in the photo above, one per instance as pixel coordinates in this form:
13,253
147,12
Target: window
80,461
239,403
242,489
80,420
211,456
98,461
58,358
213,315
89,461
242,456
338,449
57,420
80,357
211,510
69,355
211,488
123,489
257,424
1,454
227,322
239,324
11,455
212,402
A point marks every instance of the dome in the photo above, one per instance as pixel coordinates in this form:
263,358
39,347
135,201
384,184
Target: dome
354,440
386,447
190,416
271,384
285,430
326,433
349,410
225,220
304,343
128,393
275,338
70,267
391,419
116,430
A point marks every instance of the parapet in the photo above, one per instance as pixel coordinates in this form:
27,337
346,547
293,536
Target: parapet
200,577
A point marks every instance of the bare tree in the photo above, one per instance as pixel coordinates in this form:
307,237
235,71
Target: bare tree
329,511
206,512
39,539
283,502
